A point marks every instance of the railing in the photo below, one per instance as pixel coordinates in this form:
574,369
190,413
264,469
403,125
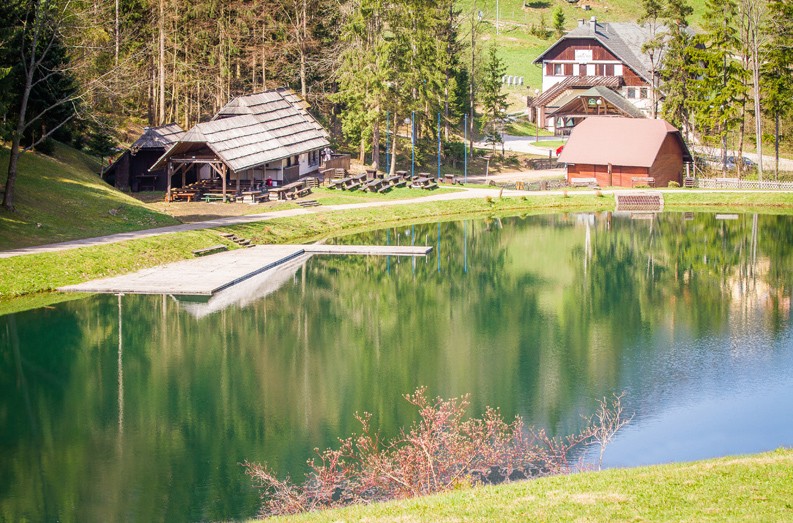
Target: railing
735,183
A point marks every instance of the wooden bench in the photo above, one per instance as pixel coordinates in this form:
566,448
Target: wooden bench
217,197
210,250
649,181
583,182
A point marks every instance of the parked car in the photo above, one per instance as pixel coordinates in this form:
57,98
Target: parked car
733,160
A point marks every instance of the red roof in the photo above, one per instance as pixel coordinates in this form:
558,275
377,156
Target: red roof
602,140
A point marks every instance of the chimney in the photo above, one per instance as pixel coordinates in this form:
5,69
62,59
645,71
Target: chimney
593,23
581,22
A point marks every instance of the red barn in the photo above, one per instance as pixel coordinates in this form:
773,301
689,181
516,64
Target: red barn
625,152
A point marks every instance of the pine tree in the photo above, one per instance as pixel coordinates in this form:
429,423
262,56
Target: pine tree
676,70
494,102
718,88
558,21
777,69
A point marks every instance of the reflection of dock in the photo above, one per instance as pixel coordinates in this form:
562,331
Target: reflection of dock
255,288
210,274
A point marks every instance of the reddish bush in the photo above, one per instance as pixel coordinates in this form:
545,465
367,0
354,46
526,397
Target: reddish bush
440,451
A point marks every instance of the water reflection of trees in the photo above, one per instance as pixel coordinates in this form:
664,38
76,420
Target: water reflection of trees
525,314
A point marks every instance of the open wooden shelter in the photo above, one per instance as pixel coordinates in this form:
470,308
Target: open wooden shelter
267,137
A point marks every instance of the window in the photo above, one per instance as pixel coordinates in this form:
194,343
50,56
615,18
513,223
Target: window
557,69
643,92
631,92
605,69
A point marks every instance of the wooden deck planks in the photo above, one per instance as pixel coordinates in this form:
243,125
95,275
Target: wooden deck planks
210,274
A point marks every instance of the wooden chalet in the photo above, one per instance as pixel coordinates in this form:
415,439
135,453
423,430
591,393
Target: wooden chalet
254,139
600,56
131,169
625,152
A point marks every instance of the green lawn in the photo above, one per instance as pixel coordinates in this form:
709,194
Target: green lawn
732,489
62,198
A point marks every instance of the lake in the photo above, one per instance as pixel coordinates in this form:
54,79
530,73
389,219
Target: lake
143,407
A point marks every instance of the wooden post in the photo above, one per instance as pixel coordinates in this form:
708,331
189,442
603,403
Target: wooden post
168,188
184,175
223,175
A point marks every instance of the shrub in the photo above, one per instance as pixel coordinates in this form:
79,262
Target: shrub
598,193
641,186
441,451
673,184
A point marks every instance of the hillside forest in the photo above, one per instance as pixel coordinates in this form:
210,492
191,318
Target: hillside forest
85,71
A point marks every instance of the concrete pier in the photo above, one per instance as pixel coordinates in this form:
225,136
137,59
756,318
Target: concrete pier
210,274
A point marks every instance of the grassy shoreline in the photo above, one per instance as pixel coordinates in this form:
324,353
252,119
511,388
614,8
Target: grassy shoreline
738,488
34,277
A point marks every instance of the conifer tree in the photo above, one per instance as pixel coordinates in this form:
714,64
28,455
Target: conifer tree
558,21
718,86
676,70
494,102
777,69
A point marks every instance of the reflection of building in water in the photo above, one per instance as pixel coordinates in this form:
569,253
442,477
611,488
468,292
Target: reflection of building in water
254,289
751,294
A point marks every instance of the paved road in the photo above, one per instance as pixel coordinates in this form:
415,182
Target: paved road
785,164
519,144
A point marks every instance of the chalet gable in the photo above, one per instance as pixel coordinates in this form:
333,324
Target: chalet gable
601,44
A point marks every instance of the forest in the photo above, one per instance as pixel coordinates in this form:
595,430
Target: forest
91,72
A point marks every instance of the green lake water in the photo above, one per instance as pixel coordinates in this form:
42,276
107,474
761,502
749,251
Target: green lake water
141,408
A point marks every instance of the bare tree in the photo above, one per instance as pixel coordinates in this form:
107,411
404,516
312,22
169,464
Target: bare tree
41,31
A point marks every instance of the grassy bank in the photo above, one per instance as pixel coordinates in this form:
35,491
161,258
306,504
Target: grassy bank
37,273
40,273
740,202
749,488
61,197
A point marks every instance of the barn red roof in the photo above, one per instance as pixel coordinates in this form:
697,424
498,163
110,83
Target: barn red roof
602,140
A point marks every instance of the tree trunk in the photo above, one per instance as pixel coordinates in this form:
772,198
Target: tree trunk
303,37
376,142
362,152
392,168
161,79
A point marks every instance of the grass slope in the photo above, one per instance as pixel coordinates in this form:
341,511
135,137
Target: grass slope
749,488
60,197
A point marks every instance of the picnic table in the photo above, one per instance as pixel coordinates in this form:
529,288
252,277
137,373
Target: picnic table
184,194
391,182
251,196
353,182
424,182
373,185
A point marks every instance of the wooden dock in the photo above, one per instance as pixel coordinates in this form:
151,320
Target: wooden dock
207,275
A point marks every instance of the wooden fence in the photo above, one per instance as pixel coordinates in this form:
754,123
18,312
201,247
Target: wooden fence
337,161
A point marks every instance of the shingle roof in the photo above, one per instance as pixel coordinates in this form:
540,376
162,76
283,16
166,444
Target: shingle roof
624,40
158,137
600,140
570,82
253,130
